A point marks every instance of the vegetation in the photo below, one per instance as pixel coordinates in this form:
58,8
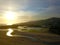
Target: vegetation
42,30
55,27
52,23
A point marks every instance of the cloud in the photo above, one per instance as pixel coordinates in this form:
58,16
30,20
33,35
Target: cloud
31,9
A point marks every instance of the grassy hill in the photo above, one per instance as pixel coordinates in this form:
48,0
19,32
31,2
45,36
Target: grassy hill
41,23
52,23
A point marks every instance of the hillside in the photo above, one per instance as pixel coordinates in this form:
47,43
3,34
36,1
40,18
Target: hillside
38,23
41,23
52,23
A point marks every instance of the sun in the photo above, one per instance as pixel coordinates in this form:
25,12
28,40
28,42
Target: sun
9,17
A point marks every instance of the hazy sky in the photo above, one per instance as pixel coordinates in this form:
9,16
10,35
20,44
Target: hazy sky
30,9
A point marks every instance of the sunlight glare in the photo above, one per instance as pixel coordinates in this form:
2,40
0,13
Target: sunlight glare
10,15
9,32
9,24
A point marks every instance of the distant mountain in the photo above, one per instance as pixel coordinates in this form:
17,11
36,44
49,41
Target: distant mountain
38,23
52,23
41,23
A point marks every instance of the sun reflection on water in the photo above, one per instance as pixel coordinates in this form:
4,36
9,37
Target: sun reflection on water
10,35
9,32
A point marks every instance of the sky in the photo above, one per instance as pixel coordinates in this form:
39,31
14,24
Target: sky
28,10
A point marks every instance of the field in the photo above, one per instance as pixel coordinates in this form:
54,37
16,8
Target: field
29,38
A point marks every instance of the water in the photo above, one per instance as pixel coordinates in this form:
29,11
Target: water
18,37
9,32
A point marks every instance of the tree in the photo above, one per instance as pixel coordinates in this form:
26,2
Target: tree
55,27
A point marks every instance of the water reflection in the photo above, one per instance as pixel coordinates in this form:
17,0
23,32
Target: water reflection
9,32
25,36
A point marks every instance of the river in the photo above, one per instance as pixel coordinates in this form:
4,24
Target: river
18,37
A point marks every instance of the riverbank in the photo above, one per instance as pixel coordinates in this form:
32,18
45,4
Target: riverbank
41,39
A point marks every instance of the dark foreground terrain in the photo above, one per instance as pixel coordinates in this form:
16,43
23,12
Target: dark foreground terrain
27,38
